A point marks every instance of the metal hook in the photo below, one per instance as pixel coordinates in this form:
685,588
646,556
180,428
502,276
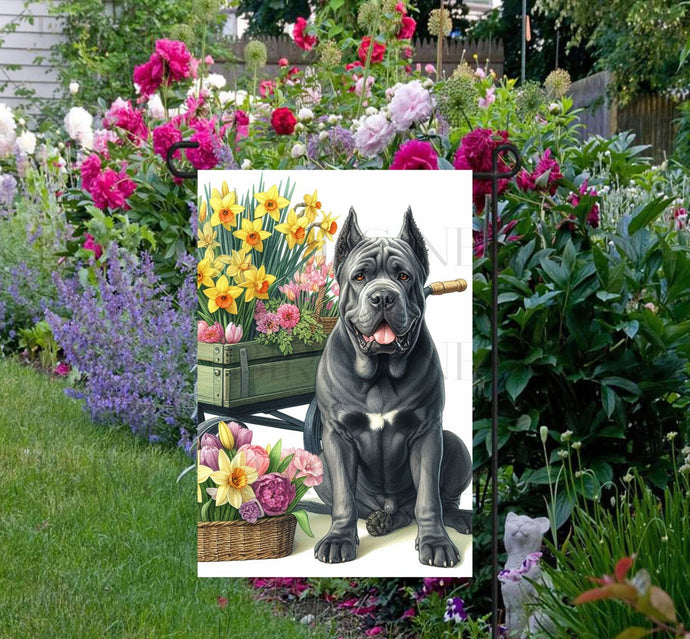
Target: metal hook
185,144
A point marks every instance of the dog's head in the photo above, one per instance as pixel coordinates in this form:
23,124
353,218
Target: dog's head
381,287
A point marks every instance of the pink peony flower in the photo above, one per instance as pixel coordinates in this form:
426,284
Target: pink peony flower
680,217
353,65
525,181
547,173
91,245
274,492
283,121
266,87
256,457
302,40
233,333
411,103
283,62
430,68
101,139
475,154
251,511
179,64
208,456
309,466
374,134
206,155
593,214
415,154
480,73
375,631
377,53
164,137
407,28
122,115
89,169
149,76
288,316
62,369
209,334
111,189
359,86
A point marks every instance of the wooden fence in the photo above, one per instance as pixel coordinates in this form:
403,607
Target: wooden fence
424,53
650,117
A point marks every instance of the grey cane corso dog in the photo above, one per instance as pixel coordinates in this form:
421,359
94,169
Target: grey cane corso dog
380,392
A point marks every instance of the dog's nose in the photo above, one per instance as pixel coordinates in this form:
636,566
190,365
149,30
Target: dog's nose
383,297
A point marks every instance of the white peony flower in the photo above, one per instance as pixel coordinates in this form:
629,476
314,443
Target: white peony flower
298,150
332,119
305,114
323,136
78,123
155,107
7,130
246,164
238,98
73,87
26,142
214,81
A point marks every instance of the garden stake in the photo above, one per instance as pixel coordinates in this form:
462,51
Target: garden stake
495,176
185,144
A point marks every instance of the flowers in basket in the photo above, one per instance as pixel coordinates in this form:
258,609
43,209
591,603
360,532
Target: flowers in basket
238,480
248,248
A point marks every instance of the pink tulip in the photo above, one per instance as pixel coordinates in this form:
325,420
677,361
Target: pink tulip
208,456
241,436
233,333
211,441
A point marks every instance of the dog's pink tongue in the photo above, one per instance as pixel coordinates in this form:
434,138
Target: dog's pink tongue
384,334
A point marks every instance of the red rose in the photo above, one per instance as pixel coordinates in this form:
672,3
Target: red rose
302,40
377,53
407,27
283,121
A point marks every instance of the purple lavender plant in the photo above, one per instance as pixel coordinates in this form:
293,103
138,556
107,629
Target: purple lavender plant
134,343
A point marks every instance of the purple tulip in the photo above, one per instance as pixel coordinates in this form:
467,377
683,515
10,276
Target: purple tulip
240,434
207,439
208,456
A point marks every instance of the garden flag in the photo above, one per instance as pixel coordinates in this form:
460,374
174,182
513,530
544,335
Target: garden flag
334,382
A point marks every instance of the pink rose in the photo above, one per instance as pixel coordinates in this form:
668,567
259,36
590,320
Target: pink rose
209,334
256,457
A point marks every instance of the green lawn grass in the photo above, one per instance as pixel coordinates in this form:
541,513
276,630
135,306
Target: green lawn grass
97,538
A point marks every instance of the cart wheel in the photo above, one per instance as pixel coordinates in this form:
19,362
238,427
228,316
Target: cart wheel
313,428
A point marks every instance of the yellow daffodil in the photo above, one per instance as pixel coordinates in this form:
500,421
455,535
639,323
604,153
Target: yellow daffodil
237,264
206,238
225,209
225,436
233,479
328,226
252,235
313,244
313,206
203,212
270,202
222,295
202,474
256,283
205,273
294,229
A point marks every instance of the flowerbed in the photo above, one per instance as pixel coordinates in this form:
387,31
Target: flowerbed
97,239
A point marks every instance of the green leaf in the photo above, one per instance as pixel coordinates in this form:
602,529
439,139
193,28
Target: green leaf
285,463
274,456
204,510
523,423
555,272
634,632
564,506
645,215
303,521
569,256
517,380
623,384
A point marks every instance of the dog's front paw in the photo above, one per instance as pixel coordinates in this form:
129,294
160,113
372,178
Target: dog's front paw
335,548
436,549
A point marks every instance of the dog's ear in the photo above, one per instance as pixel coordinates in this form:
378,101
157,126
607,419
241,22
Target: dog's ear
350,235
411,234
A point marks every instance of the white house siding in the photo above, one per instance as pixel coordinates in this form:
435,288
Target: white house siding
22,47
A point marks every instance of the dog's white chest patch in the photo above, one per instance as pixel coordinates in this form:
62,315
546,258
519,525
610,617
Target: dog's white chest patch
378,420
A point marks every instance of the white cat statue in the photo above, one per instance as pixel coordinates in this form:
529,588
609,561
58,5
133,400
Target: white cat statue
522,539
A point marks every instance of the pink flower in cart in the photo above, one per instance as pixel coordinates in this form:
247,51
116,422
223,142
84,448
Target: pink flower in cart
233,333
208,456
288,316
241,435
209,333
209,439
256,457
309,466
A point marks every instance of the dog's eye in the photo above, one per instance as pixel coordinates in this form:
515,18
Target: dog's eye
358,277
403,276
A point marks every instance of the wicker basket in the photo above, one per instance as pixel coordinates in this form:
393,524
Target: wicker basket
269,538
328,323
